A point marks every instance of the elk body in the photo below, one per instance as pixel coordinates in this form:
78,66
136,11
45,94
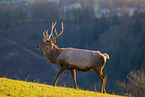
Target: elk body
73,59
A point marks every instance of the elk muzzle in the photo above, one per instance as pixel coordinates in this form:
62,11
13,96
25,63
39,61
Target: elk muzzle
38,48
42,46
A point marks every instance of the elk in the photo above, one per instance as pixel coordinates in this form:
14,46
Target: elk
72,58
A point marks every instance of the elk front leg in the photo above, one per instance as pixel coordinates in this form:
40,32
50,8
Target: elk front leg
58,75
73,73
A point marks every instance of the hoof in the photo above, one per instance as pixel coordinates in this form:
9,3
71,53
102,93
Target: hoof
53,85
103,91
77,88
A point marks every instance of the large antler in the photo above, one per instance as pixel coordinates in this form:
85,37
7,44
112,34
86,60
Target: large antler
57,34
48,37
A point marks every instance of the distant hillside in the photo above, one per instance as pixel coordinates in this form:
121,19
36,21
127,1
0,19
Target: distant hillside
16,88
25,61
14,1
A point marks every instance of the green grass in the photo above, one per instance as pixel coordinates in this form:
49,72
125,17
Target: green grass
16,88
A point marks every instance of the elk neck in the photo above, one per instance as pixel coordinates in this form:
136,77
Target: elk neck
53,54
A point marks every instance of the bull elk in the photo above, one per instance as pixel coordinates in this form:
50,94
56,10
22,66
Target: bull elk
73,59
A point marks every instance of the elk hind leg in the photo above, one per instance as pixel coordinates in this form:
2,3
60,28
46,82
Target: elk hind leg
103,78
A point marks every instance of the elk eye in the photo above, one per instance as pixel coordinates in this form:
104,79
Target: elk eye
46,43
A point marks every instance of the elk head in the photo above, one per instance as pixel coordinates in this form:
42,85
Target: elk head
49,40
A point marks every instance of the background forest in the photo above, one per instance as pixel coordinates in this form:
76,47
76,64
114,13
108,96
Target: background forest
89,24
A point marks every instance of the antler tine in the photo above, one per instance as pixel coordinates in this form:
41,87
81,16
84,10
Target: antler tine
60,33
44,34
55,32
53,25
46,31
44,39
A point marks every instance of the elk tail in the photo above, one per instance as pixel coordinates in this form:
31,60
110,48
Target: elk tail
106,55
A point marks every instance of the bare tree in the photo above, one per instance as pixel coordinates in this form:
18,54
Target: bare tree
135,87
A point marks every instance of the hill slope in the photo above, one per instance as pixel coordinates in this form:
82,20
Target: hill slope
16,88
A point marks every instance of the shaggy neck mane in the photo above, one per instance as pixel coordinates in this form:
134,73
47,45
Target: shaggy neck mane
53,54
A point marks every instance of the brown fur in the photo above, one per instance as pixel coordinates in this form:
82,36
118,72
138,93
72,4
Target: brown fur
53,54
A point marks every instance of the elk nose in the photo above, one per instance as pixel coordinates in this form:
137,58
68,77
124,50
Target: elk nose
38,48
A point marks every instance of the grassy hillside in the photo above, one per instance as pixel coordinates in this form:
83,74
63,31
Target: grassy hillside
16,88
